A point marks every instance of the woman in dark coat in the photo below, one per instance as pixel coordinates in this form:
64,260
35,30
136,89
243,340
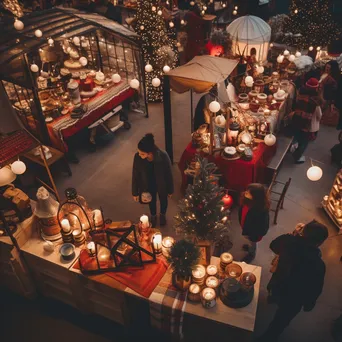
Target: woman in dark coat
254,217
152,172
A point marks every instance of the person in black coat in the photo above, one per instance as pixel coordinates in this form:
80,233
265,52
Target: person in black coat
152,172
298,279
254,217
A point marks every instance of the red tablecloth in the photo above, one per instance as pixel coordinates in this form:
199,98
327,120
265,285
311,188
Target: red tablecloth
237,174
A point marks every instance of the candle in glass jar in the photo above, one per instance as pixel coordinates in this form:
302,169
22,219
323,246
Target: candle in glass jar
226,258
208,296
212,270
157,242
194,293
167,243
91,248
212,282
65,225
144,221
198,272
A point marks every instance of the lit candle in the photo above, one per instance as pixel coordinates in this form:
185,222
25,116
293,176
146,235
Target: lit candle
194,293
91,248
212,282
208,297
144,221
65,225
77,232
226,258
167,243
232,274
97,218
157,242
198,274
212,270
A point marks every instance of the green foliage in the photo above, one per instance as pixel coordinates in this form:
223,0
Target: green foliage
201,213
184,256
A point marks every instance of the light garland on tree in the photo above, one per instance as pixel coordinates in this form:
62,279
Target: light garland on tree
14,7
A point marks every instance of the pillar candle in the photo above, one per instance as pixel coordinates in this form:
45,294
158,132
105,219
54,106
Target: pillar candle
65,225
144,221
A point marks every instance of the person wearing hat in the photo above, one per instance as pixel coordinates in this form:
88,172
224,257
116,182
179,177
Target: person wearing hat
305,118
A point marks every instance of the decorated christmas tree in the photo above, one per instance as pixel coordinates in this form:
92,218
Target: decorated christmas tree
310,23
159,50
201,213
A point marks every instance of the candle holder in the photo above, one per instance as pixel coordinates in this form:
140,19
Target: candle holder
247,281
167,244
198,274
91,248
208,297
144,228
225,259
66,231
194,293
213,283
212,270
157,242
233,270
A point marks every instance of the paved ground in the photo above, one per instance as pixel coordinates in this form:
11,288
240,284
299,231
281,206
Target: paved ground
104,178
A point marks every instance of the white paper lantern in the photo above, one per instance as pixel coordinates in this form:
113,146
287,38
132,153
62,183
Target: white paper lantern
182,22
224,5
18,25
34,67
156,82
286,52
148,67
83,61
249,79
159,12
214,106
142,27
235,12
18,167
38,33
76,41
318,48
260,69
134,83
292,58
270,139
50,41
171,24
166,69
314,173
154,8
310,48
6,176
249,84
280,59
116,78
298,54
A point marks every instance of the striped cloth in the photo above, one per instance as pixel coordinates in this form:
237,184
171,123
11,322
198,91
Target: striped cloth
167,306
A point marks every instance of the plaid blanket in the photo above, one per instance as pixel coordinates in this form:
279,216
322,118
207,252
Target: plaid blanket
167,306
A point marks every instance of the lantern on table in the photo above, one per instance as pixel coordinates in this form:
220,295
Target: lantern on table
233,132
227,201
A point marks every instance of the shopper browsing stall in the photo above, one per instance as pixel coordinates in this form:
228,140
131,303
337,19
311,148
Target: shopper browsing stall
152,173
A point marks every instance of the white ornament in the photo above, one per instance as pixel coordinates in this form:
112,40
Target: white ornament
38,33
142,27
50,41
166,69
280,59
83,61
48,246
18,167
235,12
76,41
148,67
298,54
171,24
34,68
154,8
18,25
116,78
159,12
134,83
314,173
310,48
270,139
260,69
249,80
156,82
214,106
286,52
292,58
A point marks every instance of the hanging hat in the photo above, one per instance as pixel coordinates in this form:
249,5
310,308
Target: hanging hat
312,83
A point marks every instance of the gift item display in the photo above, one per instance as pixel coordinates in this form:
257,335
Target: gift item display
69,75
332,203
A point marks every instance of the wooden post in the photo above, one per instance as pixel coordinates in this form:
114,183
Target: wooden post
192,111
167,117
211,130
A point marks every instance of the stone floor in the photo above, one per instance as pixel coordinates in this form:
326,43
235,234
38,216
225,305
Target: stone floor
104,179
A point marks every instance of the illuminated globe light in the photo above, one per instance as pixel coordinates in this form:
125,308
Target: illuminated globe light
270,139
235,12
311,48
249,80
224,5
182,22
6,176
178,44
116,78
148,67
260,69
292,58
192,3
214,106
203,12
205,8
166,69
34,68
318,48
271,45
68,49
154,8
286,52
134,83
83,61
280,59
298,54
156,82
50,41
236,8
18,167
142,27
38,33
159,12
314,173
76,40
171,24
296,11
18,24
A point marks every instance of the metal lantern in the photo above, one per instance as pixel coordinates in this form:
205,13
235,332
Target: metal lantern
234,130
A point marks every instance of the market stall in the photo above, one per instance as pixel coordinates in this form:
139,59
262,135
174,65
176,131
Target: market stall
63,70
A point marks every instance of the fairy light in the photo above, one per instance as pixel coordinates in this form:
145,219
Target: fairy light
14,7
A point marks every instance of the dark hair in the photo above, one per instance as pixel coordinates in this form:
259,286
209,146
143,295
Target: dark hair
253,51
335,70
316,233
260,198
146,144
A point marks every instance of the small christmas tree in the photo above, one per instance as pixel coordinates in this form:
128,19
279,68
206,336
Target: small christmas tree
310,24
158,48
201,213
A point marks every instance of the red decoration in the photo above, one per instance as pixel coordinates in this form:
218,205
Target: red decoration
227,201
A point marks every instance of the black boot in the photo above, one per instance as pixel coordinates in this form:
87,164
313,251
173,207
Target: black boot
162,219
153,221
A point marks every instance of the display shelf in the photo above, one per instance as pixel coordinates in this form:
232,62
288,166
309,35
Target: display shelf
337,222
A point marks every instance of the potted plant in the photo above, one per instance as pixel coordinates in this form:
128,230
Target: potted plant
184,255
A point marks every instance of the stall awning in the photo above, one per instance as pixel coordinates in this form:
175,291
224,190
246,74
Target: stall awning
201,74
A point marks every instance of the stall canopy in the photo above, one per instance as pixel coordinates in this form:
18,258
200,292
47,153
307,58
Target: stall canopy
199,76
250,32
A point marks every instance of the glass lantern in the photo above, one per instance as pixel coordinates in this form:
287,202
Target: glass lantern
233,132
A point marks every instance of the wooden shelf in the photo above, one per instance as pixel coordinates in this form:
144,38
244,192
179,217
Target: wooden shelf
332,216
